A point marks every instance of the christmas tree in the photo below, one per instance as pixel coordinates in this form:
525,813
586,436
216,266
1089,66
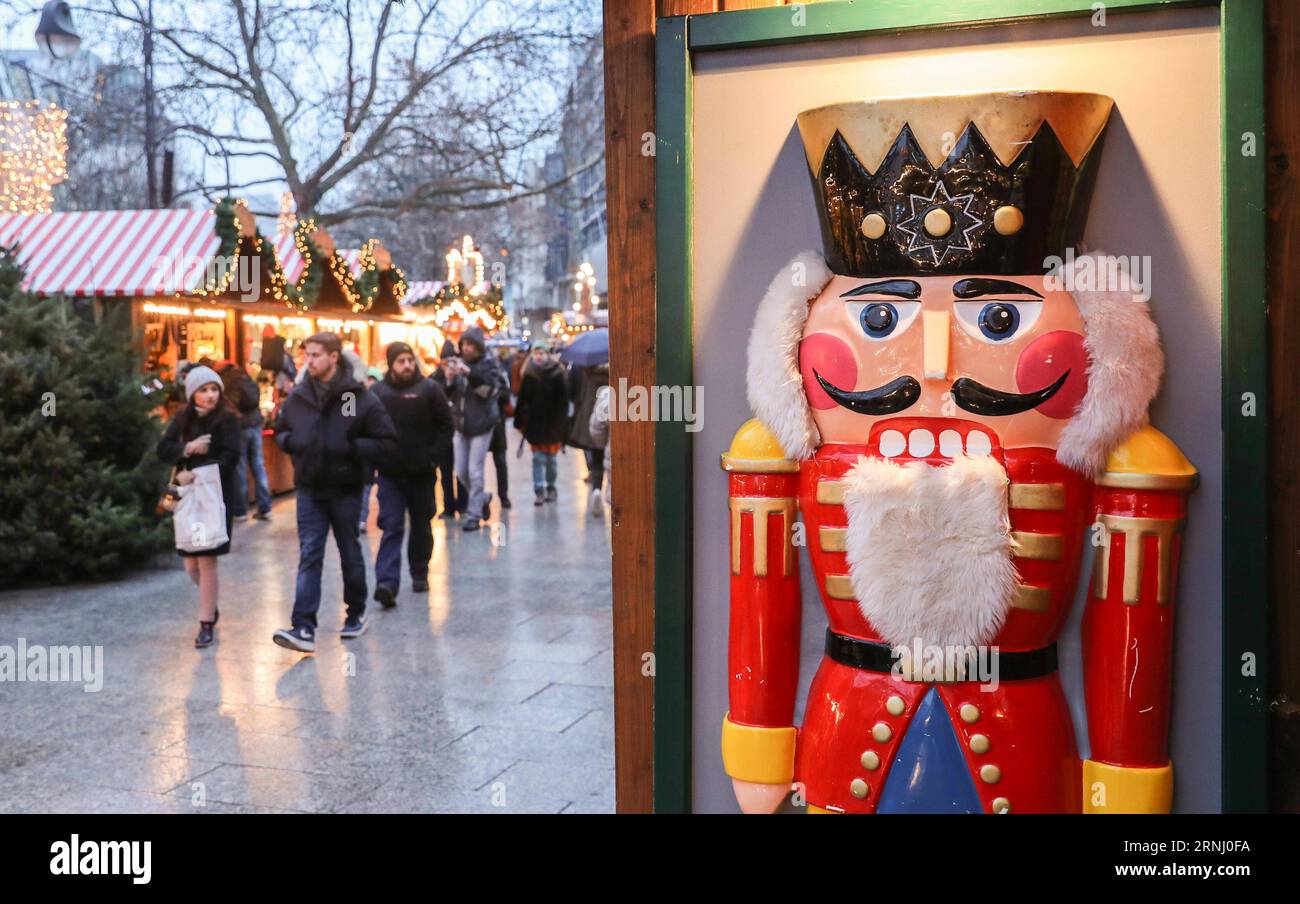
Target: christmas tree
79,477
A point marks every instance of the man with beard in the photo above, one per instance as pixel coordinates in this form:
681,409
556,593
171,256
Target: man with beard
420,411
331,426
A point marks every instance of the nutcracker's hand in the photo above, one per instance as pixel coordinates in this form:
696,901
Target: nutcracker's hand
759,797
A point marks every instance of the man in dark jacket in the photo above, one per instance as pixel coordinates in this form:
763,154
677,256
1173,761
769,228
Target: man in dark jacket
329,425
243,393
422,416
475,386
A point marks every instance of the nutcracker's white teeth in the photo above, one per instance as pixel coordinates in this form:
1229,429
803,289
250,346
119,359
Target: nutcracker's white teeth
978,443
892,443
920,443
937,440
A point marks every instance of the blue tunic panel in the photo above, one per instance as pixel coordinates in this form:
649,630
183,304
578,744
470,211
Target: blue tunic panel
929,773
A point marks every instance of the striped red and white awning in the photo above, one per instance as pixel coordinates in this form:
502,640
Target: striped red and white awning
423,289
286,249
113,252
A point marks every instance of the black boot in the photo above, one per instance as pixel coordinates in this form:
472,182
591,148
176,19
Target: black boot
204,637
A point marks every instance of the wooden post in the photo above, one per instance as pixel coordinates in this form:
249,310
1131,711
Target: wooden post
1283,68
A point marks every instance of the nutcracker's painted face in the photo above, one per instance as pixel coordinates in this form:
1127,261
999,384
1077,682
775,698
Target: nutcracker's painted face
990,362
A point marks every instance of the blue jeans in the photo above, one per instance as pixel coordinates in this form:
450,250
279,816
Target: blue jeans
543,471
397,496
317,516
471,456
250,453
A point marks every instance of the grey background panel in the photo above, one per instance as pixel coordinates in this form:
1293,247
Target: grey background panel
1158,194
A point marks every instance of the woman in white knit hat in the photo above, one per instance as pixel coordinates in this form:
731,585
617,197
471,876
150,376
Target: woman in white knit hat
204,432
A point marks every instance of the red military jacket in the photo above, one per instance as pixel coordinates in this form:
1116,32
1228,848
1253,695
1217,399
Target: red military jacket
1016,739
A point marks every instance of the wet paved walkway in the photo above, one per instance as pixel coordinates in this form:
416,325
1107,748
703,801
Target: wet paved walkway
491,693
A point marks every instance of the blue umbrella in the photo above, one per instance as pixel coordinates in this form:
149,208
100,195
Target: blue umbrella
588,350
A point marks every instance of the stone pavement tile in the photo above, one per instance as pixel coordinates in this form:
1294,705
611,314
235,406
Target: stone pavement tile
127,769
429,784
283,789
535,746
576,695
597,722
249,748
104,800
581,785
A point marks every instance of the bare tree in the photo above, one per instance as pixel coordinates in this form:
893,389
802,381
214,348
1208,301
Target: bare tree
364,108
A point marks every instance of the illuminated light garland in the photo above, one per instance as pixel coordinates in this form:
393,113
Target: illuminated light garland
150,307
33,155
288,214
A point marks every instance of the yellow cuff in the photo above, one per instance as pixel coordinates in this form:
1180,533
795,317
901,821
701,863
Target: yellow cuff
754,754
1127,789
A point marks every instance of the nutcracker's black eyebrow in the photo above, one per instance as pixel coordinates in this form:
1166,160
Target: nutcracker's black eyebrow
901,288
976,287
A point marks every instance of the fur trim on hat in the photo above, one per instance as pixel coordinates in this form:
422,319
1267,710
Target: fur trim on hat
1124,370
773,381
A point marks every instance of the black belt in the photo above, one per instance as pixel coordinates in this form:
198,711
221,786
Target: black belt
874,656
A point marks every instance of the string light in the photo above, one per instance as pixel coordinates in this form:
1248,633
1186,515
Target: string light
288,214
33,155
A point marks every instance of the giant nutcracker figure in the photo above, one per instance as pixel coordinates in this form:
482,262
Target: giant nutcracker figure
955,414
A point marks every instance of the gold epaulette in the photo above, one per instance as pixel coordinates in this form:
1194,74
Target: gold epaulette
754,450
1148,460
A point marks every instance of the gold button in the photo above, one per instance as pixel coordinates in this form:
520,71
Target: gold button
858,788
970,713
990,773
938,222
873,225
895,705
1001,805
979,743
882,732
870,760
1008,220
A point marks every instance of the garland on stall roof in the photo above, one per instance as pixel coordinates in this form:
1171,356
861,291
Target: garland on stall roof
216,280
306,292
397,279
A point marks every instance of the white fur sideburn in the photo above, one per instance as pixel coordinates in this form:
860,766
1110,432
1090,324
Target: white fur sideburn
772,378
929,549
1124,371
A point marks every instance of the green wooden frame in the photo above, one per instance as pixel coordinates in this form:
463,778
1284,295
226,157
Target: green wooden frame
1244,351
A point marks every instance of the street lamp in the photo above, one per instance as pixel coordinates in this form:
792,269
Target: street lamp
55,32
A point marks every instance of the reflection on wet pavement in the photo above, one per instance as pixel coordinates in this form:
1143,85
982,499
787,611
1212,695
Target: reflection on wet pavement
490,693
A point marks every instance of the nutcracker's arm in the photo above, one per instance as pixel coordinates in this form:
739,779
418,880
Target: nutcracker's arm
1140,510
758,734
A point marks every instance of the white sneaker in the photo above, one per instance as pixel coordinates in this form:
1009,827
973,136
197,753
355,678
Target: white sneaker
597,504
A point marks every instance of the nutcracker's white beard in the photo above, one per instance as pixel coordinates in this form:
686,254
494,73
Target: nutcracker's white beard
929,549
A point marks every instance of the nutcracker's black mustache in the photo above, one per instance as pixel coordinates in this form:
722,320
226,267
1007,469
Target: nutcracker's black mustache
891,398
969,395
977,398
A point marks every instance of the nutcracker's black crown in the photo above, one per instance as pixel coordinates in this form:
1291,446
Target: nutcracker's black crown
973,212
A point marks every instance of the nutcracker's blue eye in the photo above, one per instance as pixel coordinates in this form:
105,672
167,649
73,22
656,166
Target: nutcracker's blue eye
880,319
997,321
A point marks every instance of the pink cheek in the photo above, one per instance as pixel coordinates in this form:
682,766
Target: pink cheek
1042,363
833,359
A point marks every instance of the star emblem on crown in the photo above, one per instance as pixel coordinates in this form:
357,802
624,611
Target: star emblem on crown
960,223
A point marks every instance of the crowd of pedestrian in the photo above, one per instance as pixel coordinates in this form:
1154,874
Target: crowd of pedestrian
401,434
